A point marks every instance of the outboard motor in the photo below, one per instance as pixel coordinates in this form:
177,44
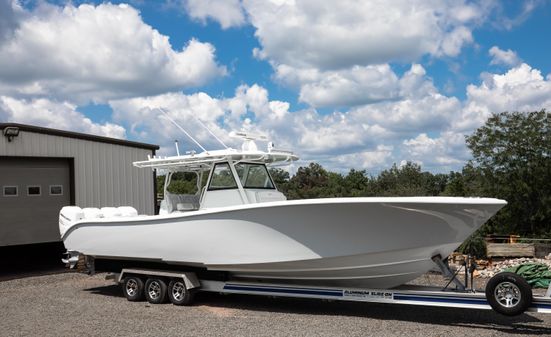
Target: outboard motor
68,216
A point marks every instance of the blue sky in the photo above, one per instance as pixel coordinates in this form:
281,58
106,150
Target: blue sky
350,84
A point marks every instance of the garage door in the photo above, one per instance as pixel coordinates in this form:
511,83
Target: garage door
33,190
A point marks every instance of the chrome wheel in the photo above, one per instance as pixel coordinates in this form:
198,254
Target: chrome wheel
154,290
178,291
507,294
132,287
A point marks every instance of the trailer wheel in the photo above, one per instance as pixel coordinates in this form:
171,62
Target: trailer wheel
133,288
155,290
509,294
178,294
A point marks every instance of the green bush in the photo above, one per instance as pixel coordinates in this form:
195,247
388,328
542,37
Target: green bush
475,246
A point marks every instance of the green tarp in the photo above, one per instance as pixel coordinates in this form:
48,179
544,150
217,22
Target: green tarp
537,275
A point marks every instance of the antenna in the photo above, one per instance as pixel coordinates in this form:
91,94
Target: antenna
181,128
212,134
248,139
177,149
247,136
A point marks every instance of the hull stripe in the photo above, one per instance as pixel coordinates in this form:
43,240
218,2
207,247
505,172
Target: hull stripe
397,297
284,290
440,299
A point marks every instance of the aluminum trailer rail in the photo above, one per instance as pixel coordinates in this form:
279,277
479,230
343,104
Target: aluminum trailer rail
156,291
414,295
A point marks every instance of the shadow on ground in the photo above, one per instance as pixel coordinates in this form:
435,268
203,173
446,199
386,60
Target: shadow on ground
31,260
453,317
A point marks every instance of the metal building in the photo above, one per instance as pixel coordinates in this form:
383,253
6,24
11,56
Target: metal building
42,170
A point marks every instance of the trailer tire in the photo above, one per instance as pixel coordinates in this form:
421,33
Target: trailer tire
155,290
178,294
508,293
133,288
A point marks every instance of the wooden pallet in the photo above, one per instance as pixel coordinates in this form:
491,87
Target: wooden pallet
510,250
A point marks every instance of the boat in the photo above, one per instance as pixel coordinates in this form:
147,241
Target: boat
237,224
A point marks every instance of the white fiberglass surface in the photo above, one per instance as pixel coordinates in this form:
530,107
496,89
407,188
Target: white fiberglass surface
289,232
366,200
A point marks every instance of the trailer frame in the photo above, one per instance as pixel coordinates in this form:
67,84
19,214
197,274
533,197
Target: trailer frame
408,294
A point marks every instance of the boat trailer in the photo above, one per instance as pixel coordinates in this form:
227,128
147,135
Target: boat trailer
506,293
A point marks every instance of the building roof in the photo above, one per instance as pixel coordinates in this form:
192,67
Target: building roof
77,135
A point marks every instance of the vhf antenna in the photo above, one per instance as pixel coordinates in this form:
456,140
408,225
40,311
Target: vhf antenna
212,134
182,129
202,124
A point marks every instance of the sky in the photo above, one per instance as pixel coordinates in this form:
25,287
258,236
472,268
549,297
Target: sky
348,84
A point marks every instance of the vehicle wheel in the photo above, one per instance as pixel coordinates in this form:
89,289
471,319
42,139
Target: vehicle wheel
155,290
509,294
178,294
132,287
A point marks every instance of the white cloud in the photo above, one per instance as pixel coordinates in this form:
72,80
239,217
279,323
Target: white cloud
505,22
335,133
352,138
520,89
446,151
338,54
504,57
145,120
421,125
228,13
355,133
380,157
250,107
255,99
455,40
432,112
57,115
419,106
9,14
96,53
414,83
357,85
341,34
305,131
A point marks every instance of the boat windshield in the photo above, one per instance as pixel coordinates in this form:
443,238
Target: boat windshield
222,178
254,176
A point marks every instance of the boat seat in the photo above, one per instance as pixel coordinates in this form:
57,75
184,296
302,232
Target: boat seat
266,196
92,213
110,212
128,211
122,211
256,196
183,207
181,202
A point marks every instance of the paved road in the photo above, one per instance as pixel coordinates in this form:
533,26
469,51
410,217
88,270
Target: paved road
70,304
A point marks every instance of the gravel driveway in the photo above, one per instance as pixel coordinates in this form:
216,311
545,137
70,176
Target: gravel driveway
70,304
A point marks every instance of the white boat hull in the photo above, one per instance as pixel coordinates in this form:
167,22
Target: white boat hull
367,242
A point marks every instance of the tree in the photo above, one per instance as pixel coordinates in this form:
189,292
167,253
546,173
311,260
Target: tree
408,180
280,178
467,183
513,152
308,182
356,183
